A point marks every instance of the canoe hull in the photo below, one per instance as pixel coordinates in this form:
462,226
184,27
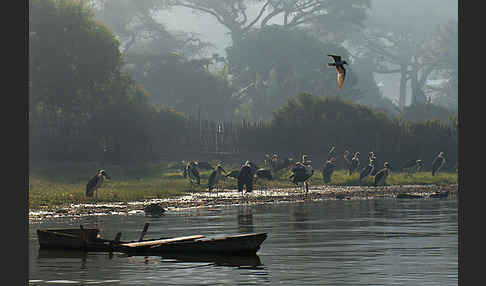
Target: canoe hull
89,240
67,238
243,244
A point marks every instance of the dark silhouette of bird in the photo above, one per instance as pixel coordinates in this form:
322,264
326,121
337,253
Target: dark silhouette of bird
215,177
341,71
328,169
438,162
347,162
262,174
204,165
276,163
245,178
233,174
301,173
367,171
412,166
381,176
95,183
355,164
191,171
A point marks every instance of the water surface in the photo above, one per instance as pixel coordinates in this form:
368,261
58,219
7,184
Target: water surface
348,242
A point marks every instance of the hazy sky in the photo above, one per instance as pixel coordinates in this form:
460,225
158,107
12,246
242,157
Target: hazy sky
418,16
415,15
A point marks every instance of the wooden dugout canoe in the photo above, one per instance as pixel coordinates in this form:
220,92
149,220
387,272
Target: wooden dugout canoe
89,240
240,244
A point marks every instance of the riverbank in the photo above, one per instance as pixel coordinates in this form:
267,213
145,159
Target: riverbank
231,197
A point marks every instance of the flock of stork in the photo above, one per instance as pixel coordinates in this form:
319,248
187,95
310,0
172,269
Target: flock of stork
250,173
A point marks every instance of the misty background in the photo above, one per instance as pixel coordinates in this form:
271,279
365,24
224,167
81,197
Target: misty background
139,79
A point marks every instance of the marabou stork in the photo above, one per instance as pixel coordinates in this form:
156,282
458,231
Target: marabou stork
328,169
438,162
301,173
245,178
341,71
380,177
215,177
263,174
95,183
204,165
412,166
354,163
347,162
191,171
367,171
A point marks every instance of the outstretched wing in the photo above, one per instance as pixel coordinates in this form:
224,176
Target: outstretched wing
335,58
341,75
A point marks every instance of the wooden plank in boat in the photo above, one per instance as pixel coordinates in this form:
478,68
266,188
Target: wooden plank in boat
161,241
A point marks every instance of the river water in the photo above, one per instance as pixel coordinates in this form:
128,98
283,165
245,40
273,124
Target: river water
334,242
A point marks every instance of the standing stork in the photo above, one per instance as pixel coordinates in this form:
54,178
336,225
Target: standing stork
245,178
191,171
95,183
347,162
367,170
341,71
215,177
412,166
263,174
328,169
438,162
381,176
354,163
301,173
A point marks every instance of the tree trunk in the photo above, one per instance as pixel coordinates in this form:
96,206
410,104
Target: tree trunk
403,86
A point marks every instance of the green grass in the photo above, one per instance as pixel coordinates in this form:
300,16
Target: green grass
62,184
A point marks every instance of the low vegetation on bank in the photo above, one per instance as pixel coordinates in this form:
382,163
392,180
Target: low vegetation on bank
64,184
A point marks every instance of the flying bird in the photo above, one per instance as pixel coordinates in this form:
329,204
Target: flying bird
96,183
341,71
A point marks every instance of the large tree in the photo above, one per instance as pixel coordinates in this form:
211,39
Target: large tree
234,15
136,25
71,57
442,54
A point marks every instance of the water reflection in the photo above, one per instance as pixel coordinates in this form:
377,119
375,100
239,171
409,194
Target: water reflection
245,220
246,261
366,242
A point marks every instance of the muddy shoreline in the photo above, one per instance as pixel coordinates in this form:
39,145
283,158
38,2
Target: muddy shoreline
232,198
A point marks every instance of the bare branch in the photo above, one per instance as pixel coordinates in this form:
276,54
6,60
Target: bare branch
262,10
